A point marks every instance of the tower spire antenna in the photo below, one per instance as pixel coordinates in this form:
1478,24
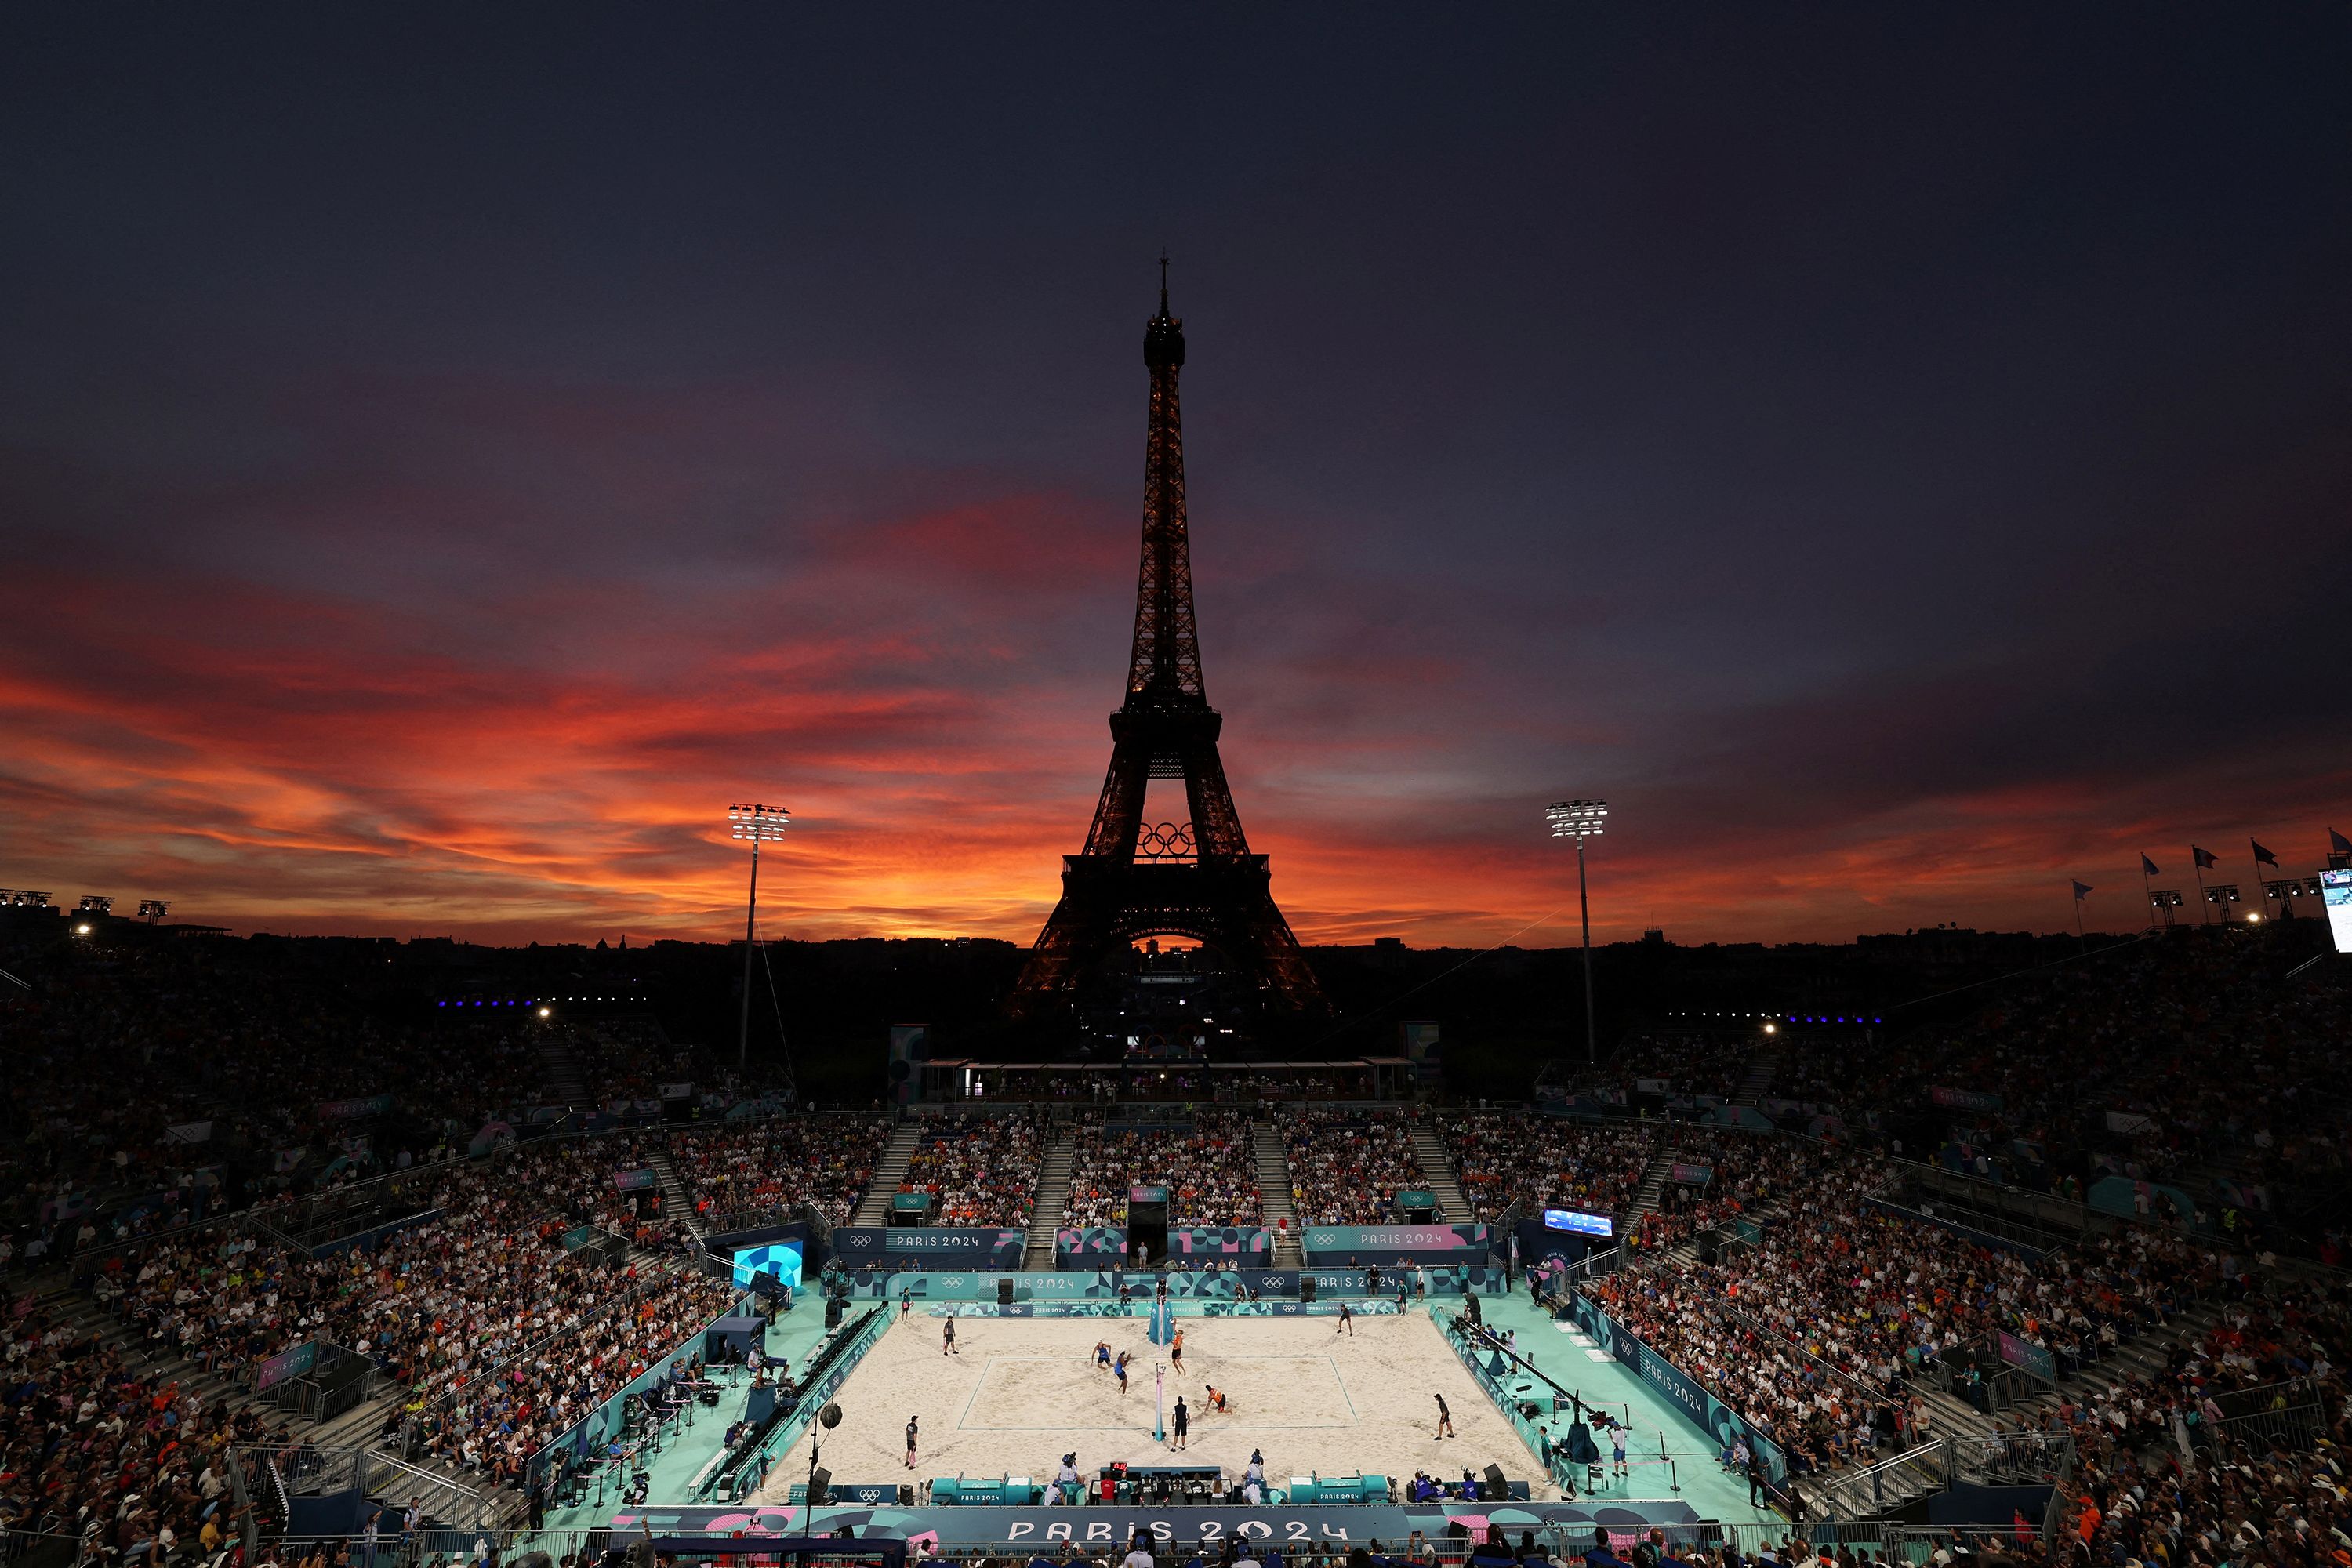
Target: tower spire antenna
1163,282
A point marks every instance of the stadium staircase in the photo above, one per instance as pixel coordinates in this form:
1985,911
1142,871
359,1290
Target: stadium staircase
82,1318
566,1085
1274,1192
1437,1170
677,1201
1053,1197
889,1174
1763,1068
1652,1195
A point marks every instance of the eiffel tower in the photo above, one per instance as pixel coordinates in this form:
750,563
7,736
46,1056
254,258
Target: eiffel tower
1196,878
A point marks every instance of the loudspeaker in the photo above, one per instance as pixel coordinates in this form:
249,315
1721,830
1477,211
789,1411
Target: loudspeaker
905,1496
1497,1489
1004,1291
1706,1250
818,1483
1306,1287
832,1312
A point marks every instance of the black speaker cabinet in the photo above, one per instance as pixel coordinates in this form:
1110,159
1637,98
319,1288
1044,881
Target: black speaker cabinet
1004,1291
1306,1287
818,1483
1497,1488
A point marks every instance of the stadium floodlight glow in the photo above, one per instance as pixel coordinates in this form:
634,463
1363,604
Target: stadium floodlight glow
82,928
759,824
1581,820
153,910
547,1011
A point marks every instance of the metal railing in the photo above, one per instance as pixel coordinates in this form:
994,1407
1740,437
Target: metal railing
50,1545
2013,1458
437,1495
2284,1395
2292,1428
1874,1488
338,1381
2068,1216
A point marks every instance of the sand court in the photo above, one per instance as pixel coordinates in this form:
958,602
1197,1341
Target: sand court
1013,1388
1022,1392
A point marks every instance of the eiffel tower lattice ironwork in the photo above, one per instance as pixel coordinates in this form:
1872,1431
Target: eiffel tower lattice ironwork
1136,879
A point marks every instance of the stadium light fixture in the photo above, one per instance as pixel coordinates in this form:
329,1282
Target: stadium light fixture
1581,820
82,928
757,824
547,1011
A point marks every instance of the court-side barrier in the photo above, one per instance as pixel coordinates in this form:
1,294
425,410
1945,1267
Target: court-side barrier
754,1470
1563,1540
1437,1281
1540,1444
1141,1306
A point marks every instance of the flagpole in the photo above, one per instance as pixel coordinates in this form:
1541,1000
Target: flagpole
2204,905
2082,941
2148,894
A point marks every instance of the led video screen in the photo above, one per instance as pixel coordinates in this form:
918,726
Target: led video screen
781,1258
2336,892
1578,1220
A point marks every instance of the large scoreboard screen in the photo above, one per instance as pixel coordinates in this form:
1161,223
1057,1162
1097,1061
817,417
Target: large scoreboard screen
1576,1220
2336,892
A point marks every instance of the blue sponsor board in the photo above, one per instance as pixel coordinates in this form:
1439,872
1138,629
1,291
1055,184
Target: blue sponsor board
1090,1247
1203,1286
1443,1280
931,1246
1296,1528
1708,1413
1357,1245
1141,1306
1249,1245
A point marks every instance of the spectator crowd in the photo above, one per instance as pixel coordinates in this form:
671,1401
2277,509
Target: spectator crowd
1209,1167
979,1169
1347,1166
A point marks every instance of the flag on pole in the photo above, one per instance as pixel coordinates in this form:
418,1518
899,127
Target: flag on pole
2147,867
2082,890
2204,860
2262,856
2337,842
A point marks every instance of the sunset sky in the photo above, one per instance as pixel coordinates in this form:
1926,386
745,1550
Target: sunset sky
1900,456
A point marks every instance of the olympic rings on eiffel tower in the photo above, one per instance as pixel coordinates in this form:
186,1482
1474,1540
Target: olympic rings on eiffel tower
1164,841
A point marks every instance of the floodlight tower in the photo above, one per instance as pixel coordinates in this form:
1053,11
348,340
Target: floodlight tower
760,825
1581,820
